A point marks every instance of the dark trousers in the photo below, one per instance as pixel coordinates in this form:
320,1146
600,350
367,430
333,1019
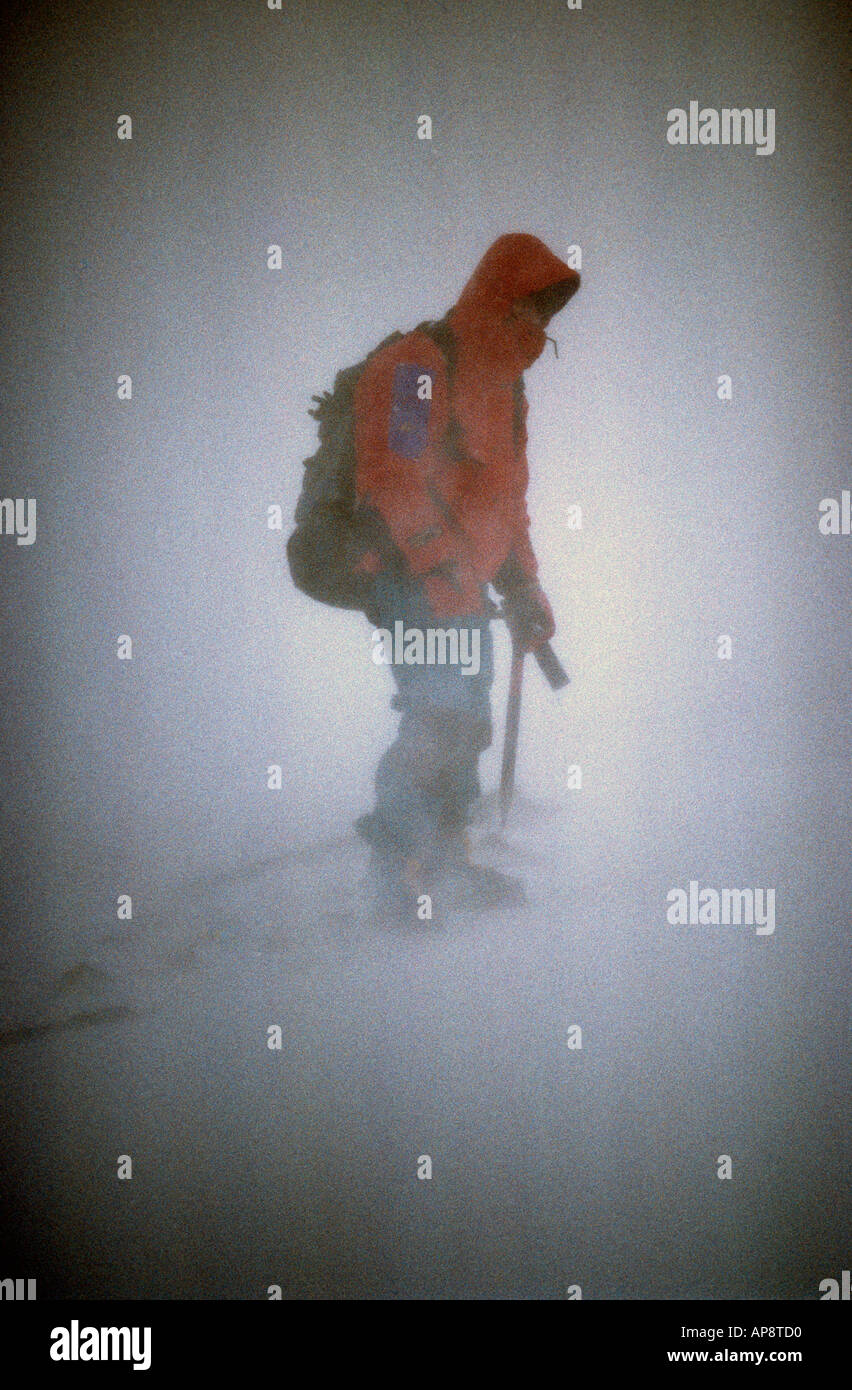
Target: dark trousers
428,779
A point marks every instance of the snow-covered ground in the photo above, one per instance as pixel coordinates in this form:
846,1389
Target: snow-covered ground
552,1165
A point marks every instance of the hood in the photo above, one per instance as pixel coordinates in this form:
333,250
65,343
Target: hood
516,265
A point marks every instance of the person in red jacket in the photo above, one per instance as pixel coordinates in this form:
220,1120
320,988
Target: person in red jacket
440,441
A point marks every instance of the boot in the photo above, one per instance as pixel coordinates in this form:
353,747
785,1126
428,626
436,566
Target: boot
395,883
460,883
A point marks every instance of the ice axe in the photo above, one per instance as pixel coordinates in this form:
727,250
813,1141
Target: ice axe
556,677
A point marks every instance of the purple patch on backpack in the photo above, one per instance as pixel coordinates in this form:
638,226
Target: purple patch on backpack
409,417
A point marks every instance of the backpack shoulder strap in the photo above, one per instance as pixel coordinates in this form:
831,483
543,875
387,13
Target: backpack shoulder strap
442,336
518,417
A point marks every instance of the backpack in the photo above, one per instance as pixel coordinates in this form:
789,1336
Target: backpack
331,533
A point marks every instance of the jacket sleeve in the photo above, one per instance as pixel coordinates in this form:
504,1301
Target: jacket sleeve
522,550
399,432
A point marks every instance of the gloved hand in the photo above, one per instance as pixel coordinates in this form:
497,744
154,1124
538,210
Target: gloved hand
530,615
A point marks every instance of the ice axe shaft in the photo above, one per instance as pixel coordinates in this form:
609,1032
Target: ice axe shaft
556,677
510,738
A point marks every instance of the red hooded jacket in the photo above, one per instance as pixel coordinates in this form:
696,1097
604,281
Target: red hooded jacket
455,506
